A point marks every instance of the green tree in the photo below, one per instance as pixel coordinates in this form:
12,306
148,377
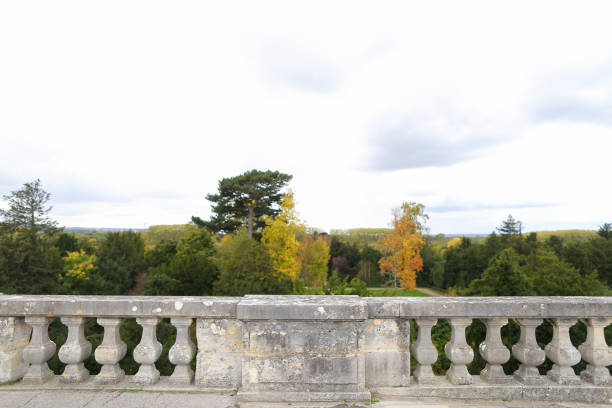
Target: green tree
245,267
27,263
186,269
550,276
120,260
510,227
245,200
605,231
503,277
66,243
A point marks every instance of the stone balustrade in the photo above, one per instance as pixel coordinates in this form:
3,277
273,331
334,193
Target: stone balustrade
313,348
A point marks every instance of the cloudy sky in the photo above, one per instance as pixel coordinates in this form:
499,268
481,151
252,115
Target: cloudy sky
130,111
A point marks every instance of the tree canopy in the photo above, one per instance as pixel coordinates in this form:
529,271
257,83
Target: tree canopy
245,200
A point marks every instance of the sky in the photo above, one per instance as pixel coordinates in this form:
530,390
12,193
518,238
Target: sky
129,112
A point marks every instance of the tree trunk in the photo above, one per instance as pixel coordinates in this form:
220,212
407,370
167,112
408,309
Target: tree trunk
250,221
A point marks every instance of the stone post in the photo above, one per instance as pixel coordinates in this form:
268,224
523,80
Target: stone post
14,337
494,352
386,349
424,352
459,352
75,350
596,352
39,351
182,352
147,351
562,352
219,359
110,352
529,353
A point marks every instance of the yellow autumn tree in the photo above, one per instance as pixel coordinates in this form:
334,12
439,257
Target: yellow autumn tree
78,266
402,248
279,236
313,255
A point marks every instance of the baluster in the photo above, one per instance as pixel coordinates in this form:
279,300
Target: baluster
110,352
75,350
529,353
562,352
494,352
182,352
147,351
424,352
39,351
459,352
596,352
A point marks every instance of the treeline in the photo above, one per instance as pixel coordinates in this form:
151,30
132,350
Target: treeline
510,263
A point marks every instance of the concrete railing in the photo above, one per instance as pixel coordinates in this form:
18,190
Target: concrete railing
312,348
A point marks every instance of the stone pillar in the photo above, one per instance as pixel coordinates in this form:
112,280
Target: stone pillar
562,352
424,352
529,353
182,352
147,351
386,350
219,359
14,337
110,352
75,350
39,351
494,352
459,352
596,352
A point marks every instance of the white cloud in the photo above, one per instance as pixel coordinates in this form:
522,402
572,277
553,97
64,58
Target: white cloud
130,112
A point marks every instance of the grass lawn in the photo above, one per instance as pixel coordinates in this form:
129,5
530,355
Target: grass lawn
394,292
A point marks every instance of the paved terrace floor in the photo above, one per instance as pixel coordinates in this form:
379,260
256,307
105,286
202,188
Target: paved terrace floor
146,399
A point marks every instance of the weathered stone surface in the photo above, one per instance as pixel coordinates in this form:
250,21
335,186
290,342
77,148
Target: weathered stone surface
110,352
262,307
39,351
219,358
182,352
562,353
147,351
387,356
75,350
516,307
14,337
528,352
118,306
424,352
315,349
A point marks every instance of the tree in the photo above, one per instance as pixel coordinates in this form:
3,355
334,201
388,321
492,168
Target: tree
279,236
503,277
245,199
510,227
245,267
27,262
313,254
78,270
403,246
550,276
120,260
605,231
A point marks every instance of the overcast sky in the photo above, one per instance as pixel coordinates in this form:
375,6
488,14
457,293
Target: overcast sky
129,111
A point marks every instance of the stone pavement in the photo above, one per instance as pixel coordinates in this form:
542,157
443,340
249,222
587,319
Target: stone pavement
146,399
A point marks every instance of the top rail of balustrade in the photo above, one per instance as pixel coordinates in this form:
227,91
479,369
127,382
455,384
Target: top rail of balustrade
119,306
305,307
483,307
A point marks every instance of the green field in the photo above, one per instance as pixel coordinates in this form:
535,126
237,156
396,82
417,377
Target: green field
379,292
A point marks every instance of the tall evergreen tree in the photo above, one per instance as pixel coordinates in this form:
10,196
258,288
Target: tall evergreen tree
245,200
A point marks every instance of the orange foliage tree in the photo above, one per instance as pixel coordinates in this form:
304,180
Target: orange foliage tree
403,247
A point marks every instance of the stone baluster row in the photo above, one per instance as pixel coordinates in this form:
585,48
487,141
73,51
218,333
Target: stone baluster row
76,349
560,351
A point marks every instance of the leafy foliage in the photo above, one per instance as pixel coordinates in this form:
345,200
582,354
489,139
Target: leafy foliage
244,200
